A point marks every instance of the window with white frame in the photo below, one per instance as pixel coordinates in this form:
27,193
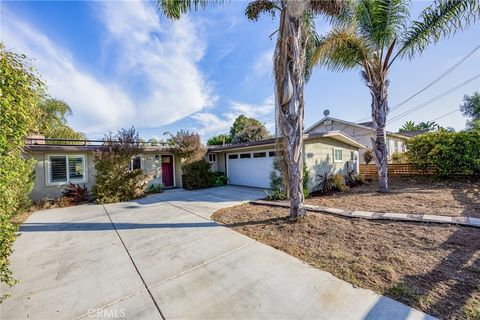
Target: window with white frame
135,163
64,169
337,155
212,157
395,143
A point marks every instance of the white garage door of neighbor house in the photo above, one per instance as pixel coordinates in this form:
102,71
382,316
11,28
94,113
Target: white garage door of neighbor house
250,169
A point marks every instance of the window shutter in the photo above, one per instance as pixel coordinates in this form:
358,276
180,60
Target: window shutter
58,169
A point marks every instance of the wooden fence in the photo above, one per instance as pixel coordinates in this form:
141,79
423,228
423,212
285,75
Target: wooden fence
398,169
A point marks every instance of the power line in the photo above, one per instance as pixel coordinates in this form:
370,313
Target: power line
447,114
424,104
440,77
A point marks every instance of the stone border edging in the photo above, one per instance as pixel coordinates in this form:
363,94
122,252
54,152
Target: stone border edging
465,221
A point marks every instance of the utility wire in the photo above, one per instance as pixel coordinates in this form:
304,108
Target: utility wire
424,104
447,114
440,77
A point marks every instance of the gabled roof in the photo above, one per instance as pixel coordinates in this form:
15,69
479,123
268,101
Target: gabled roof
335,135
365,125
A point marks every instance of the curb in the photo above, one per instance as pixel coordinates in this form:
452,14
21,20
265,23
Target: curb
465,221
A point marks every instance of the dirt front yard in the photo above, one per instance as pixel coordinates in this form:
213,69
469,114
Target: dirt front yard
434,268
410,195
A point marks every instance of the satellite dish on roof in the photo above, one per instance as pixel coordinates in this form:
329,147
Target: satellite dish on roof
326,112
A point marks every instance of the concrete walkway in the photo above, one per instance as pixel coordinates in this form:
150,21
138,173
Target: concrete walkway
162,258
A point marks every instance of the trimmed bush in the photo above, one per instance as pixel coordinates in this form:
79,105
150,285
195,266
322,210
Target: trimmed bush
218,178
197,175
451,153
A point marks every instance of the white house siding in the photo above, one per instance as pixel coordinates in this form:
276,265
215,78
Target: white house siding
42,190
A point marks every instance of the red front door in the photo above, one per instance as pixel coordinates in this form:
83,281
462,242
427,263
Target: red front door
167,171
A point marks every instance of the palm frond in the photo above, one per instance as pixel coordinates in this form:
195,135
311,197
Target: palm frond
313,41
174,9
341,49
327,7
257,7
440,20
381,21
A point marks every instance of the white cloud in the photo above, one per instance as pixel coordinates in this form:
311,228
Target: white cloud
261,68
211,124
156,80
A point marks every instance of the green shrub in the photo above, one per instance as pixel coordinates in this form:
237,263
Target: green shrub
197,175
155,188
218,178
277,191
352,179
115,181
451,153
20,91
399,157
338,182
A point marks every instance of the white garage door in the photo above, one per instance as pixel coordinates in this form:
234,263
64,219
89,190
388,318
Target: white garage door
250,169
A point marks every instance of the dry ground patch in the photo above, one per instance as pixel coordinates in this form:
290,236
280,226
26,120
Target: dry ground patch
434,268
456,197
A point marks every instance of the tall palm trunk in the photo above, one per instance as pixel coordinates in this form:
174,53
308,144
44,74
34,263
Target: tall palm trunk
378,90
289,81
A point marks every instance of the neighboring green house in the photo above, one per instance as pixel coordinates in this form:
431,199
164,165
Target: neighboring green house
250,164
57,165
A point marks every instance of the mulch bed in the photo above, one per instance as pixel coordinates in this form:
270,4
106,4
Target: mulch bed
458,197
434,268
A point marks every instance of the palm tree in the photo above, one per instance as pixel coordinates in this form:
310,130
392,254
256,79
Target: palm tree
374,34
408,126
428,126
290,68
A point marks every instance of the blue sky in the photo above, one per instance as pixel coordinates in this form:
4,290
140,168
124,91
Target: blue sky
119,64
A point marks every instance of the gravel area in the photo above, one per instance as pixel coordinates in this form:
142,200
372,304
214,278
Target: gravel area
410,195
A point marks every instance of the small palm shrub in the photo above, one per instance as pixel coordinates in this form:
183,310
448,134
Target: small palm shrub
75,193
352,179
325,185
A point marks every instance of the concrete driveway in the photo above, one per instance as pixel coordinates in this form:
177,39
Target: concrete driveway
161,257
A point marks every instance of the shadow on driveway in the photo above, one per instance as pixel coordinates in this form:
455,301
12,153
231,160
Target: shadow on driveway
66,226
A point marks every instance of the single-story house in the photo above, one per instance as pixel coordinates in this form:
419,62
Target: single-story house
251,164
58,165
362,132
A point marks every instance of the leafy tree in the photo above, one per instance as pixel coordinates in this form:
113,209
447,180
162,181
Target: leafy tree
423,126
219,140
52,121
471,109
295,40
187,145
20,89
246,129
376,33
115,180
